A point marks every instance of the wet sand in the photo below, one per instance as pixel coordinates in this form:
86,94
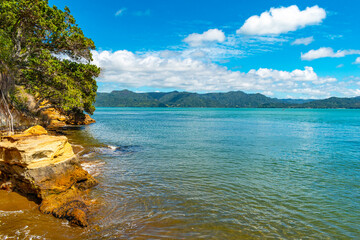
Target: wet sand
21,219
11,201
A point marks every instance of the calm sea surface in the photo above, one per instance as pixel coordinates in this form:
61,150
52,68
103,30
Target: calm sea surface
215,174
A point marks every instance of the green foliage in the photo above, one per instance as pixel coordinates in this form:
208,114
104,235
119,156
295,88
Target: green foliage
17,100
48,54
236,99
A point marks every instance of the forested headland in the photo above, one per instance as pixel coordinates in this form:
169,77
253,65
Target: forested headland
45,62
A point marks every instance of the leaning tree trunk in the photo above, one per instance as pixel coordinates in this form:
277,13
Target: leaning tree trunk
6,117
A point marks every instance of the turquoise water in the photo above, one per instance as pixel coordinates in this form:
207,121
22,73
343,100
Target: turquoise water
227,173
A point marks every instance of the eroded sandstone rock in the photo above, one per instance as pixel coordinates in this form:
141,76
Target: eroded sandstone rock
44,166
57,119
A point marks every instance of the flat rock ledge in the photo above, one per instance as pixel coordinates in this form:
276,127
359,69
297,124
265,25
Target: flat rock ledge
45,168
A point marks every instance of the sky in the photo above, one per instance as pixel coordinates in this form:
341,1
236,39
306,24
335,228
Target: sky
280,48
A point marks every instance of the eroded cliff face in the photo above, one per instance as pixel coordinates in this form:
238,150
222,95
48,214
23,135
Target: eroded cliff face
45,167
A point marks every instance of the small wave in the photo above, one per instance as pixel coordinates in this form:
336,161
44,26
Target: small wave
7,213
88,155
66,223
111,149
25,233
93,167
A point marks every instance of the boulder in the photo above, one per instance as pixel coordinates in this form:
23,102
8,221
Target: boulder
45,167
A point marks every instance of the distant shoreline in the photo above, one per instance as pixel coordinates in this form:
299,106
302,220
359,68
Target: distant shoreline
234,99
241,108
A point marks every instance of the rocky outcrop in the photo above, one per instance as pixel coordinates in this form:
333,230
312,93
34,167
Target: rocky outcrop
87,120
56,119
45,167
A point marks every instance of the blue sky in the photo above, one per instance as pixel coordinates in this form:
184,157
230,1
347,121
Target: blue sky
296,49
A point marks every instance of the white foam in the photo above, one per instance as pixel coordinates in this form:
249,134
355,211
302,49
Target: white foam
93,167
88,155
7,213
112,147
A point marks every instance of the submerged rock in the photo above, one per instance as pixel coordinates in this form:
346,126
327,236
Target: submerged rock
46,168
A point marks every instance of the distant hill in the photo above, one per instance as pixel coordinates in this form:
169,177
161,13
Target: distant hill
334,102
234,99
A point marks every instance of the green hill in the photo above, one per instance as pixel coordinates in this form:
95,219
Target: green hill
238,99
334,102
233,99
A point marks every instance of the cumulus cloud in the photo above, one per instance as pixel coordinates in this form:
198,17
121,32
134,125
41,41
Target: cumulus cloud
120,12
303,41
325,52
357,61
297,75
282,20
211,35
129,70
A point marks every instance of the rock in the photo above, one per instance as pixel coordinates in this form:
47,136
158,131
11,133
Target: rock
56,119
80,119
74,211
6,186
88,120
36,130
45,167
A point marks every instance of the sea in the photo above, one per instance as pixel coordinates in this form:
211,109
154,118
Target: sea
210,173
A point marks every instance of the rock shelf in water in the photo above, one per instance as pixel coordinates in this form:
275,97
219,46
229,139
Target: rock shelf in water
45,168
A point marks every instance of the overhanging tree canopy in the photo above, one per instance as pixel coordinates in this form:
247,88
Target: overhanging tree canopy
43,49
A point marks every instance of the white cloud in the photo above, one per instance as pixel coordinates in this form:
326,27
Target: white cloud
297,75
128,70
303,41
120,12
357,61
211,35
268,93
327,52
282,20
340,65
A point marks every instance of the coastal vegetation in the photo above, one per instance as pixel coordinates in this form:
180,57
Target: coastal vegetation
235,99
45,60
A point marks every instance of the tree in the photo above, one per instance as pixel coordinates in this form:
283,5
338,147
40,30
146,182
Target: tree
43,49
